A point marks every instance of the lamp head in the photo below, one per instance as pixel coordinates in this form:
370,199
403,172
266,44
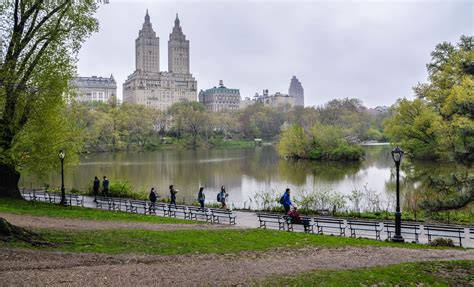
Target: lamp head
62,154
397,154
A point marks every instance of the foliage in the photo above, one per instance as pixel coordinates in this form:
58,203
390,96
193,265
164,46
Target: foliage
322,142
445,273
442,242
439,123
42,41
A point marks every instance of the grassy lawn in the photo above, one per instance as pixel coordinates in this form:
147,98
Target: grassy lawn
446,273
192,241
54,210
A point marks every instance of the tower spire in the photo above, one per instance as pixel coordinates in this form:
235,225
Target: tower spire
176,21
147,17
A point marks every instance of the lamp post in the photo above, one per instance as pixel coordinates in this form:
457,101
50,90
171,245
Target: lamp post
397,155
63,193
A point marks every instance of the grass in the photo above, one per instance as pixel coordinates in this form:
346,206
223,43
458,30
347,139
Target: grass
192,241
446,273
53,210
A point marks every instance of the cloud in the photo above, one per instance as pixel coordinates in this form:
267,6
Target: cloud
375,51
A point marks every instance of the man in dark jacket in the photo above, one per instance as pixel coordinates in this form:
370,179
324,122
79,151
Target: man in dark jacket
153,197
173,193
105,186
96,186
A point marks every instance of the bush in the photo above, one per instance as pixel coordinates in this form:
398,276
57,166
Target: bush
442,242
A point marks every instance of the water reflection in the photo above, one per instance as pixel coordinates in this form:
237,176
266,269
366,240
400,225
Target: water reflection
243,171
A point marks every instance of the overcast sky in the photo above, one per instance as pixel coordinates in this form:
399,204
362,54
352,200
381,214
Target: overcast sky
372,50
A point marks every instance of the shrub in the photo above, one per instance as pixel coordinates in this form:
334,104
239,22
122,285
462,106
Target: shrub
442,242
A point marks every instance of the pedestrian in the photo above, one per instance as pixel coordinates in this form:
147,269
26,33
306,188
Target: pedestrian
286,201
173,193
95,187
222,197
201,197
105,186
153,197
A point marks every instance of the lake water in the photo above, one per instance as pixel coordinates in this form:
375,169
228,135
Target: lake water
244,173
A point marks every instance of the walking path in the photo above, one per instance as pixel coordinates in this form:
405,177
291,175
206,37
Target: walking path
46,268
249,219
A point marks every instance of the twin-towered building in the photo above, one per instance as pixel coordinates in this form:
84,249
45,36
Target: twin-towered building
149,86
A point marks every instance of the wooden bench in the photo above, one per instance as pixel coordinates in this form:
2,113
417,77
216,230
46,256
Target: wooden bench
305,222
444,231
101,202
222,213
265,218
359,225
178,209
118,202
323,223
195,211
158,207
77,199
38,196
53,197
471,233
407,229
133,205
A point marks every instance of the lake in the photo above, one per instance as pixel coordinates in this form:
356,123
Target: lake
252,176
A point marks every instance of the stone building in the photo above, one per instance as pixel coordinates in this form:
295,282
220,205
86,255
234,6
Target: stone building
220,98
147,85
296,90
94,89
275,100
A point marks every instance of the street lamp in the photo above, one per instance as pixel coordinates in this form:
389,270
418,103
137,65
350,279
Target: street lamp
63,194
397,155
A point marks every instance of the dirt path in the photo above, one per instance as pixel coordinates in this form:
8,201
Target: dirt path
78,224
25,267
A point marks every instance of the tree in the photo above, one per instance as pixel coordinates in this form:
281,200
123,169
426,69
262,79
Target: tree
42,39
439,123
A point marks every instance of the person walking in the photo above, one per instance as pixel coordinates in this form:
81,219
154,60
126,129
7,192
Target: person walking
223,197
173,193
95,187
153,197
201,197
105,186
286,201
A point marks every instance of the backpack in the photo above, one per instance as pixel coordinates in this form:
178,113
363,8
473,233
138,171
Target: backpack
219,197
282,199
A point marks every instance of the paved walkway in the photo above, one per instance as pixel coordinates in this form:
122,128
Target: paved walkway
249,219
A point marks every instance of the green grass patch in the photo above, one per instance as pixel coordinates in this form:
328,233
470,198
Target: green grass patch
445,273
55,210
193,241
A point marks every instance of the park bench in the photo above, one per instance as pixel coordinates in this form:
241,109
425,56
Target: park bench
471,233
265,218
195,212
160,207
117,203
101,202
77,199
178,209
325,223
444,231
133,205
305,222
38,196
222,213
53,197
411,229
359,225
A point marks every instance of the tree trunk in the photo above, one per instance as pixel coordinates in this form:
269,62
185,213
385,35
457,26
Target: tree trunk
9,178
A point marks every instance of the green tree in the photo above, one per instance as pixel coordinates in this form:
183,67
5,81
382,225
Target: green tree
42,39
439,123
293,142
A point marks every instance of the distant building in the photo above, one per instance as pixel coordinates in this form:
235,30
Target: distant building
147,85
94,89
275,100
378,110
296,90
220,99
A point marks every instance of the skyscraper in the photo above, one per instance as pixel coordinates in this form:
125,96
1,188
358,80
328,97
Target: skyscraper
296,90
152,88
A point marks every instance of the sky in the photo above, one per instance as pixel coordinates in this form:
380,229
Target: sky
372,50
